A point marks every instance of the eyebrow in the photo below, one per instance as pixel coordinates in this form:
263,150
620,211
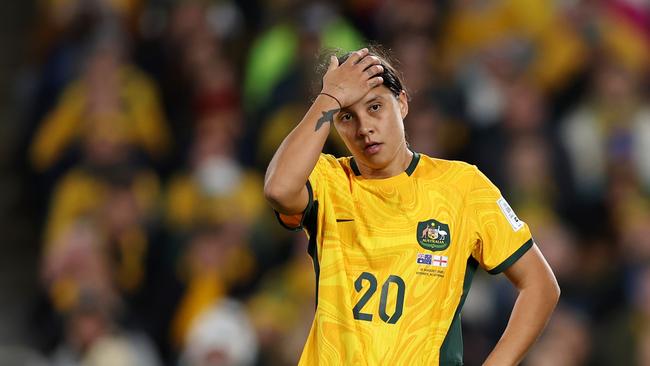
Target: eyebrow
373,99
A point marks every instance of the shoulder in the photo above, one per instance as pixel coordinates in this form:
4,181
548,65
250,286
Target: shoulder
447,171
330,171
328,163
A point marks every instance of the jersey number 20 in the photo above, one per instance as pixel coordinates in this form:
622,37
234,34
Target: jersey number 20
372,280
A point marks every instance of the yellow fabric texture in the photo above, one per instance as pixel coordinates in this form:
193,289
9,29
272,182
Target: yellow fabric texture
141,122
378,233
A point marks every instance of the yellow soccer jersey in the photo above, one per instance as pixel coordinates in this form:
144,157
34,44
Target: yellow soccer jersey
394,259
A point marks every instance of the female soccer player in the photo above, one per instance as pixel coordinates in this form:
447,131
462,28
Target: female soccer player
395,235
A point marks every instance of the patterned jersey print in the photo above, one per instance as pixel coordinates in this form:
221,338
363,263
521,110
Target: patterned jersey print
394,259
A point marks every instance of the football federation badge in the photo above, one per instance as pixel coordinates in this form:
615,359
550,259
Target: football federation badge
433,235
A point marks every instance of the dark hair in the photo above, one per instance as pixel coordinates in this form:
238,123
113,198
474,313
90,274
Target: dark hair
393,79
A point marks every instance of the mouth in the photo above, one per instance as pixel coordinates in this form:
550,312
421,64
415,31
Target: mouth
372,148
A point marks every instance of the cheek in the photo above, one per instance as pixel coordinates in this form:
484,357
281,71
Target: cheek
346,133
397,127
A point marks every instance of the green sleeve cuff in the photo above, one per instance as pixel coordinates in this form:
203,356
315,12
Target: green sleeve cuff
512,258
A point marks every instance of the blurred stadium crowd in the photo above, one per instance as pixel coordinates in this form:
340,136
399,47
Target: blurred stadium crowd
148,125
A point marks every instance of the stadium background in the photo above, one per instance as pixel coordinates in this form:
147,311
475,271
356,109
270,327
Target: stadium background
135,134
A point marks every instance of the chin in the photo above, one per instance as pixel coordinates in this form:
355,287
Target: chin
376,162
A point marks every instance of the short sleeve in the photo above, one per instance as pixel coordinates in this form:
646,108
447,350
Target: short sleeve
502,237
315,185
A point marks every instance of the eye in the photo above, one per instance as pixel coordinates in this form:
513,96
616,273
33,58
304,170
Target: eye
375,107
345,117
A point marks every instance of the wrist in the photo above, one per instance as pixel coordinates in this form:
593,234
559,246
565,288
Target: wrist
331,97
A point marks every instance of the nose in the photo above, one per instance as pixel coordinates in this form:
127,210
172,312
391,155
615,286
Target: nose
365,127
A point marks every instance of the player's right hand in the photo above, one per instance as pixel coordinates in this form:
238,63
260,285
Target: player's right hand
351,80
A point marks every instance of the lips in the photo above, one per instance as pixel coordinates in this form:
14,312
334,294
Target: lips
372,147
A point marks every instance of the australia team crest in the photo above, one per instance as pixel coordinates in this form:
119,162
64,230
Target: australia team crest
433,235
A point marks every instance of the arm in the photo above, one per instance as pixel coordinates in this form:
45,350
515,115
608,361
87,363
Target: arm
288,171
538,295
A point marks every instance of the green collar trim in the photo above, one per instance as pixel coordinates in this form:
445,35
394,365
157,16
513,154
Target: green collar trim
409,170
414,163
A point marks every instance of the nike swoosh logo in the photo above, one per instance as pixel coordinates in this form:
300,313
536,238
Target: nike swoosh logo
344,220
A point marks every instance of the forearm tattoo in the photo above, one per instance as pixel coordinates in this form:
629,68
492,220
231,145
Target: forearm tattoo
326,117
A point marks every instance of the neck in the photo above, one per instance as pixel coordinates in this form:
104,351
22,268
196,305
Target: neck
396,166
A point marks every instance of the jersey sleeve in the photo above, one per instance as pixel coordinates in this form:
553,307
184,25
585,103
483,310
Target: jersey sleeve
316,183
502,237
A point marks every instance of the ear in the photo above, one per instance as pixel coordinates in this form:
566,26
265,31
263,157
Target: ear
403,104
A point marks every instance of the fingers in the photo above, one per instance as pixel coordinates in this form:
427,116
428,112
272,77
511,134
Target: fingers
356,56
356,76
374,70
368,61
375,82
334,63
